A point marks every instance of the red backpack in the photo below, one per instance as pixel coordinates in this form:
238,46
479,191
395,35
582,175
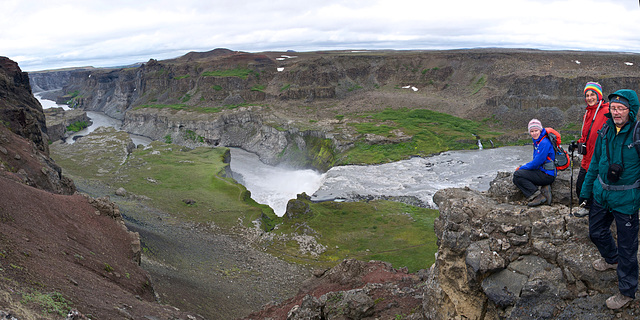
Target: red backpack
562,157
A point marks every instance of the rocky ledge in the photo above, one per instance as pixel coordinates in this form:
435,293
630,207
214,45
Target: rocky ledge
58,120
496,259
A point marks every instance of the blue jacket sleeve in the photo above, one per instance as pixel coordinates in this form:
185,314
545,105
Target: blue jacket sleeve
540,155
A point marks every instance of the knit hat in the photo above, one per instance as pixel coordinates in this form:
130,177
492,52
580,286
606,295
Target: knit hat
535,123
595,87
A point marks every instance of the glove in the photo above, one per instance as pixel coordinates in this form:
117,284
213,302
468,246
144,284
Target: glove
572,146
582,201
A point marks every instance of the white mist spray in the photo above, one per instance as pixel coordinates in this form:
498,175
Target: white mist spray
270,185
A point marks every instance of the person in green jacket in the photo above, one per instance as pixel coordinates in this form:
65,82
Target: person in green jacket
613,179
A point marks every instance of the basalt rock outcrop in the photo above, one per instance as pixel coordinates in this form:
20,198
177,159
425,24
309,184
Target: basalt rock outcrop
19,110
498,259
250,128
52,80
24,147
58,120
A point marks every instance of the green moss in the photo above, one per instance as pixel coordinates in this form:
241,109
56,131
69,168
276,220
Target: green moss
191,135
163,106
258,87
237,72
48,302
318,153
479,84
77,126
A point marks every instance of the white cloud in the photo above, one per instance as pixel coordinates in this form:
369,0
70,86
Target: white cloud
42,34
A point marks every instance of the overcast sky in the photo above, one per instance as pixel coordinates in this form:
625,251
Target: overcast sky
50,34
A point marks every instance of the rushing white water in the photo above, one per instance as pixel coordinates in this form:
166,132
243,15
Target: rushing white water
46,103
271,185
417,177
98,119
422,177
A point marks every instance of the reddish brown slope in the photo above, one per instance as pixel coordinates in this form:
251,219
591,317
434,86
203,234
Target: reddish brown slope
58,244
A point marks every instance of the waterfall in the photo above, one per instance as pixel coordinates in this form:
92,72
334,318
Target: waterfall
479,142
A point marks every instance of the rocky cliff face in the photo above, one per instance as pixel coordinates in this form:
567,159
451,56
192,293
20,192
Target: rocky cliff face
513,83
250,128
58,120
19,109
24,148
308,90
52,80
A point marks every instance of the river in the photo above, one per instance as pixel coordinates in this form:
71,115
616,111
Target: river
417,177
98,119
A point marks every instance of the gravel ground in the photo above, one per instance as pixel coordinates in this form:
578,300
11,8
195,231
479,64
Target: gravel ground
197,268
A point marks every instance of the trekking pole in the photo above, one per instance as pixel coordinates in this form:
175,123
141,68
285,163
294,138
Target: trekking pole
571,184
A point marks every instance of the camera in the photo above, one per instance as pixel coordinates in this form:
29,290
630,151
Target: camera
581,147
614,172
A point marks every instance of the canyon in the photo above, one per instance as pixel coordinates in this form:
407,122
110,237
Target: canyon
301,108
496,258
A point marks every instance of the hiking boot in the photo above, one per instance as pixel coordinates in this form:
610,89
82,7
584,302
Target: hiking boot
546,192
602,265
533,196
582,212
540,199
617,301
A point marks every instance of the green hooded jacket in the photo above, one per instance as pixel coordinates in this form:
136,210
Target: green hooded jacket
621,152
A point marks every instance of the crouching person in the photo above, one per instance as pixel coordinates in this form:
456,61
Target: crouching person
540,171
613,179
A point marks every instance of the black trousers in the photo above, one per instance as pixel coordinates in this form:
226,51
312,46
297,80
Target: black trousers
625,252
528,181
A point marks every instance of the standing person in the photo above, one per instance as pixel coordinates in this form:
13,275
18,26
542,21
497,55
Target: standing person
541,171
592,121
612,179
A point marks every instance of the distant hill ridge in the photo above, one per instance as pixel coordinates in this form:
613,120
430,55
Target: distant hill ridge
508,84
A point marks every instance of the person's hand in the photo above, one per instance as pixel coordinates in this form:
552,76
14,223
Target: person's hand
572,146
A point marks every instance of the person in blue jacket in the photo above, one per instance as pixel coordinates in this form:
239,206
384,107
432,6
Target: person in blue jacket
539,172
613,180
